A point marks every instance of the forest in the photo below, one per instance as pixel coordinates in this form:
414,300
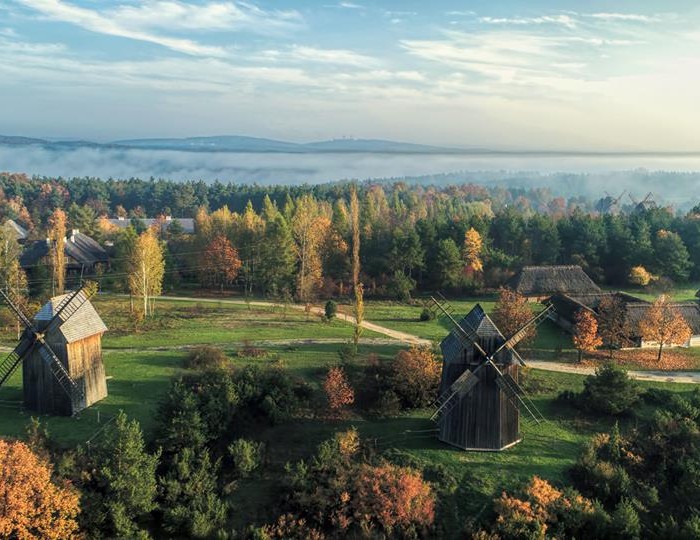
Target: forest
293,240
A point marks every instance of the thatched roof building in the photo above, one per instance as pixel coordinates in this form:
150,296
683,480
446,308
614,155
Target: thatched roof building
539,282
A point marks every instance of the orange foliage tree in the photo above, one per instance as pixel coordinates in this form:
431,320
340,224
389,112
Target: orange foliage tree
416,375
31,505
392,498
542,511
512,313
663,324
338,390
221,262
586,336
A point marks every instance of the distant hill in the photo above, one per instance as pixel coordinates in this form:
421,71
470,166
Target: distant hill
239,143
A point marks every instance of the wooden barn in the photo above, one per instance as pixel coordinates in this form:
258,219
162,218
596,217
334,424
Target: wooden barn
538,283
78,345
484,418
566,307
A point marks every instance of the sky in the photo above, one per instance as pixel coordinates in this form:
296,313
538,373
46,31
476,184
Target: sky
578,75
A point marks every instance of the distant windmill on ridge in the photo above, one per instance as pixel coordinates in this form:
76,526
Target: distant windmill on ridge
609,204
61,354
480,399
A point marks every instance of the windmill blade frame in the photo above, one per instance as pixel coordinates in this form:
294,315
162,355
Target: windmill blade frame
519,334
471,338
10,364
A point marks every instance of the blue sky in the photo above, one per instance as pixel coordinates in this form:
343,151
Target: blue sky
536,74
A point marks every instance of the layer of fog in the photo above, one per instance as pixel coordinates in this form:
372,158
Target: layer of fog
571,175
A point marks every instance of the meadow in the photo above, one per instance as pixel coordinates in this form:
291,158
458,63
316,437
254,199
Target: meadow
141,361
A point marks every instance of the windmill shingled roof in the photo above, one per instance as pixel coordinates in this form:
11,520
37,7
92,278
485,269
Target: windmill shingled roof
85,322
548,280
475,321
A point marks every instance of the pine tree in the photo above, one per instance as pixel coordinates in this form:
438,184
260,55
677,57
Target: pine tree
125,477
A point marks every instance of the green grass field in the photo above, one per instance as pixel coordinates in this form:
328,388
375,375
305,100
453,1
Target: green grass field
141,365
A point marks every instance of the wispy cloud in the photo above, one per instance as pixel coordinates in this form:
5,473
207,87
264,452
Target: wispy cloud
564,20
151,20
635,17
314,55
350,5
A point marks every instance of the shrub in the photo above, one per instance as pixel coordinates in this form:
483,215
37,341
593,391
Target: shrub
416,376
426,315
401,286
246,456
609,391
330,310
206,358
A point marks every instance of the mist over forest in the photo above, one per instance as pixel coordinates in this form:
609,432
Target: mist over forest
670,178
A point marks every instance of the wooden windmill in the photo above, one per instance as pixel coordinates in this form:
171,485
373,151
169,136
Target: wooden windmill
480,399
61,354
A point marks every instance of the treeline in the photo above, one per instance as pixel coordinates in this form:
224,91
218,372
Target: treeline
296,240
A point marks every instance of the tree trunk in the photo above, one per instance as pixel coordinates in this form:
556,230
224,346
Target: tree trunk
661,346
580,355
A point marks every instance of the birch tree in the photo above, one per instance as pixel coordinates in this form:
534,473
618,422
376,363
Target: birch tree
146,270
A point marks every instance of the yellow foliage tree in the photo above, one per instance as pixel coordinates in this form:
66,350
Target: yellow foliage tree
640,276
146,270
473,246
357,286
57,234
663,324
31,505
309,229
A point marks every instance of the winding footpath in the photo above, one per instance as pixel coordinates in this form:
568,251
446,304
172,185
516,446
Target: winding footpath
687,377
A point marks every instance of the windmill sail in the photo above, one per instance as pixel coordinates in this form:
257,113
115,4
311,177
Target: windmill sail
464,384
12,362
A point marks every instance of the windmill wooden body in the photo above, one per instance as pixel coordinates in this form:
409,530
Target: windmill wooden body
61,355
480,398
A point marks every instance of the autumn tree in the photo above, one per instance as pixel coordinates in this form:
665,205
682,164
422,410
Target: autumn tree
472,251
663,324
146,270
511,313
613,324
338,391
57,235
220,262
585,335
392,499
416,376
309,228
640,276
31,504
359,307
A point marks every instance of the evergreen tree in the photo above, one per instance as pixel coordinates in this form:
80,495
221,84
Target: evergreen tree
672,258
449,264
191,505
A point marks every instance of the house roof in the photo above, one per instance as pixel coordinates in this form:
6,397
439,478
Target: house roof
476,321
84,323
548,280
19,231
78,246
187,223
566,306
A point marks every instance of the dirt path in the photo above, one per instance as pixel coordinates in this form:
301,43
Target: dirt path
403,337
